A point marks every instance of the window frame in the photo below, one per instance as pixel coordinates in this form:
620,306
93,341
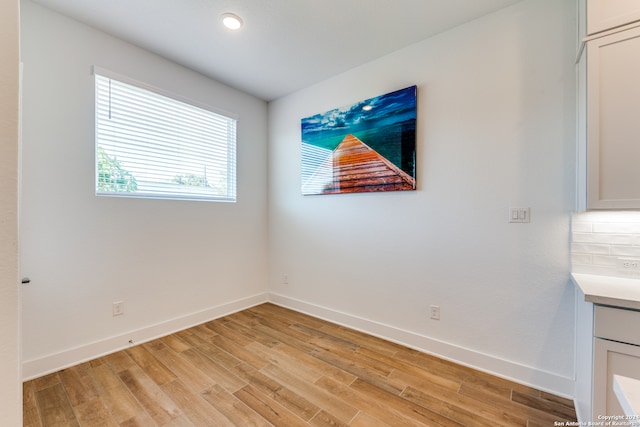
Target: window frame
232,143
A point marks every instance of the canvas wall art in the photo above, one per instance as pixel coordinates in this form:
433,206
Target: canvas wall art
369,146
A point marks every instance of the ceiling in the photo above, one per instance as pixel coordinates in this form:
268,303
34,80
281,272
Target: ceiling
285,45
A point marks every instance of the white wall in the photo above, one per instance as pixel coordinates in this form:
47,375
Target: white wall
173,263
10,386
496,128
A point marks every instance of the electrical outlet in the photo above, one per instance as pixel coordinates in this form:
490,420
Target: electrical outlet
434,310
118,308
629,265
285,279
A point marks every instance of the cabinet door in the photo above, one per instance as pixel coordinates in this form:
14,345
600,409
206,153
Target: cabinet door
613,121
606,14
612,358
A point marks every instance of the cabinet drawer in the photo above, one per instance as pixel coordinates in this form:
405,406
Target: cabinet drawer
617,324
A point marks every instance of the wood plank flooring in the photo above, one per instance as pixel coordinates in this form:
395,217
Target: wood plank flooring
272,366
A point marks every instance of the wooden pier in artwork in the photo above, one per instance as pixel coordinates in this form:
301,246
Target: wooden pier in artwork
359,168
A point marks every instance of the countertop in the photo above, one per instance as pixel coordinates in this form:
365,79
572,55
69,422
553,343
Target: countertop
608,290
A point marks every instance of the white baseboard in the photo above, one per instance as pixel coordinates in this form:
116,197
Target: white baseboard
526,375
35,368
529,376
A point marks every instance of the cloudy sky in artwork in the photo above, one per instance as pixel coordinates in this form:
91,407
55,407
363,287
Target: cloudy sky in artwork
380,111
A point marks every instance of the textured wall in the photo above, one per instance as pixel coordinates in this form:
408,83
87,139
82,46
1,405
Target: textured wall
599,239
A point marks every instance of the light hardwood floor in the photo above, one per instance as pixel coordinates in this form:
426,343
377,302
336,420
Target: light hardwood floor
271,366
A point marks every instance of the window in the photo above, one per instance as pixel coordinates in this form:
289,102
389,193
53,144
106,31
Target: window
150,144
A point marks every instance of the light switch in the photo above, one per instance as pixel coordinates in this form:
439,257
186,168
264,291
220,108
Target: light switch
519,215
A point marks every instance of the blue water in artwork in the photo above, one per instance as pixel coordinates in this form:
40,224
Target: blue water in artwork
386,123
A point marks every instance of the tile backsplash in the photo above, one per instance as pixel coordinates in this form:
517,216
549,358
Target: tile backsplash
601,241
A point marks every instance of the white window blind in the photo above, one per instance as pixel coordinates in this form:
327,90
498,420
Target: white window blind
152,145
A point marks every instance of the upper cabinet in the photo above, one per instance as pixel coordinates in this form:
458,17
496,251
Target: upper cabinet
609,106
613,121
604,15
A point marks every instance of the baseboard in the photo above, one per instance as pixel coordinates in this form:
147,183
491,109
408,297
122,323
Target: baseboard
54,362
529,376
581,418
526,375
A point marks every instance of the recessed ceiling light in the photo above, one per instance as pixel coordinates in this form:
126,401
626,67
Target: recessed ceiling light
231,21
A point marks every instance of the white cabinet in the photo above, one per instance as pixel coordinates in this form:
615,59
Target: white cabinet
616,352
606,14
607,341
613,120
612,358
584,357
